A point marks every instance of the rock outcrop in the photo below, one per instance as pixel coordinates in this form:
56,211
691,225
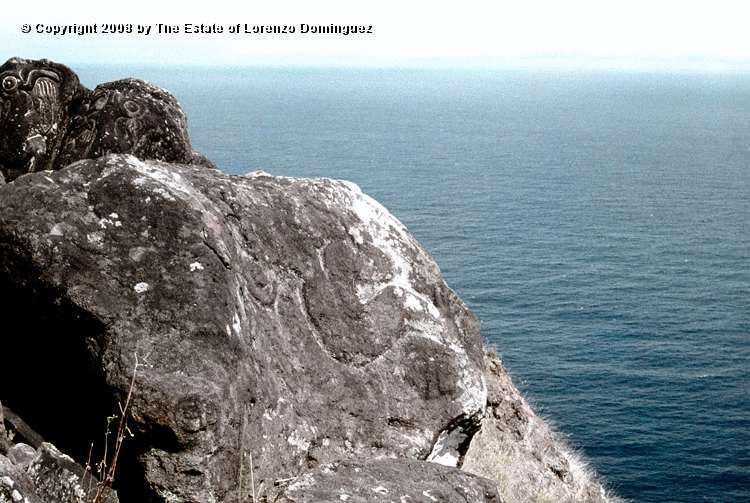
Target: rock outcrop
49,120
269,338
288,319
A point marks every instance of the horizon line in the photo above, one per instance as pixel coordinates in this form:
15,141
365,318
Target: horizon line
443,63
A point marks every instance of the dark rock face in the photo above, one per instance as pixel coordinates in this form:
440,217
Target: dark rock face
292,322
35,102
129,116
387,480
49,120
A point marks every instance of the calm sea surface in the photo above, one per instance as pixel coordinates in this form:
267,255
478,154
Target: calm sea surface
597,223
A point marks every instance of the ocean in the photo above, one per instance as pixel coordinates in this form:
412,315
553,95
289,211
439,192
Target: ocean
596,222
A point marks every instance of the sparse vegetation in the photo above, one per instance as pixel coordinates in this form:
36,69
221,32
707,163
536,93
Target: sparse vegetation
523,455
522,477
105,469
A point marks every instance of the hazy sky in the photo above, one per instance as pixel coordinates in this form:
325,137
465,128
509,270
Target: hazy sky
611,33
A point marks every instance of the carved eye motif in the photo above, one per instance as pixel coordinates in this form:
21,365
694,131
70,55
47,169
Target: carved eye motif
10,83
131,108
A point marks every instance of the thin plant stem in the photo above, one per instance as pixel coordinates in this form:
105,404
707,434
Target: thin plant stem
105,484
242,459
252,477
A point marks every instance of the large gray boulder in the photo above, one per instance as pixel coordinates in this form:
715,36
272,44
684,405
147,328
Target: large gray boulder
293,322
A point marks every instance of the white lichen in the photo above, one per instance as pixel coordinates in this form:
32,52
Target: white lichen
393,240
297,441
445,451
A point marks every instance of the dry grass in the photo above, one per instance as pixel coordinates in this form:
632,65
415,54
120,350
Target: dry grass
522,477
105,469
522,454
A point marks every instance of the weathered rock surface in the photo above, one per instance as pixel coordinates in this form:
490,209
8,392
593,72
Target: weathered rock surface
517,450
22,455
49,120
46,475
15,485
59,479
293,321
386,480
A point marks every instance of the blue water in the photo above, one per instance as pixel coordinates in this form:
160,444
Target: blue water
597,223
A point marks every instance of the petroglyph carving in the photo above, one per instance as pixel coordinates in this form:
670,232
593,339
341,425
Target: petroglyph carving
49,120
34,100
